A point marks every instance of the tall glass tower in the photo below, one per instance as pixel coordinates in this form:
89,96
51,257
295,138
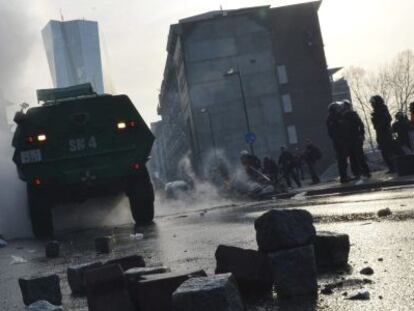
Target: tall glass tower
73,52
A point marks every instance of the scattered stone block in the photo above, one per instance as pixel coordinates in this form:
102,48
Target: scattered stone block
106,289
154,292
367,271
76,277
360,296
128,262
52,249
43,305
218,293
136,274
294,271
283,229
384,212
250,268
103,245
331,250
327,290
41,288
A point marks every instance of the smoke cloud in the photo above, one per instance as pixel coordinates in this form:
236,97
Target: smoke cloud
19,33
17,39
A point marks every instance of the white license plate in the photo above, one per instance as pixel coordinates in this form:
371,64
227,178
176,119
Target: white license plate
31,156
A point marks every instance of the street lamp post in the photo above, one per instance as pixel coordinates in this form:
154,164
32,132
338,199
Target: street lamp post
237,73
213,141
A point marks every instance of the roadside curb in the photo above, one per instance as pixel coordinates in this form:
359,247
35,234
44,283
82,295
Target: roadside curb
347,188
368,186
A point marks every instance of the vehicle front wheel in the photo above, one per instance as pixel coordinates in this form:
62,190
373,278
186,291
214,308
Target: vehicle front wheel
141,197
40,210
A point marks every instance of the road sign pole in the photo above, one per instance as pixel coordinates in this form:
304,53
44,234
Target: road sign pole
251,148
244,107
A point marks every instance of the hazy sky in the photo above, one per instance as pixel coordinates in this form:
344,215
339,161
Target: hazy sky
356,32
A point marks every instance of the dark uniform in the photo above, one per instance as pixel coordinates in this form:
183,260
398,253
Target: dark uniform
401,127
381,119
359,165
270,169
251,164
339,132
287,164
311,155
412,112
299,161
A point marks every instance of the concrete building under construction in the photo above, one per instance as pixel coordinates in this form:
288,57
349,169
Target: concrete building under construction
253,78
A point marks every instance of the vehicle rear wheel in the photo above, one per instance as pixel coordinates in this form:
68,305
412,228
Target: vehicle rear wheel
40,212
141,197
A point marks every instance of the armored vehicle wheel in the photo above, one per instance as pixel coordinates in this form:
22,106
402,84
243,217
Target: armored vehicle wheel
141,197
40,212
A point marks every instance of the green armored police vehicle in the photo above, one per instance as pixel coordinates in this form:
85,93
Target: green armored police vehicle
77,145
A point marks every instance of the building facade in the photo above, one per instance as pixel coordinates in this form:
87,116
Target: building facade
260,70
73,53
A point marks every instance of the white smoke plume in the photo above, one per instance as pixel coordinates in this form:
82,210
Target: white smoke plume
203,193
19,33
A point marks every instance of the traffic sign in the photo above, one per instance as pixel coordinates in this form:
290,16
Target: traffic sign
250,137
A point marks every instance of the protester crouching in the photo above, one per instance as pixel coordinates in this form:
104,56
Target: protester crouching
251,164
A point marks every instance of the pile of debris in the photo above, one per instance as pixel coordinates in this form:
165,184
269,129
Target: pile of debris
290,252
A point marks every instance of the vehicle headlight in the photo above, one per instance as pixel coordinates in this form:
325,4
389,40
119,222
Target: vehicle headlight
121,125
41,137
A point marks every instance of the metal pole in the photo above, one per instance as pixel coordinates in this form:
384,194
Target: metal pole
244,107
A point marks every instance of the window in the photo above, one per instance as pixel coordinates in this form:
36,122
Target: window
282,74
287,103
292,135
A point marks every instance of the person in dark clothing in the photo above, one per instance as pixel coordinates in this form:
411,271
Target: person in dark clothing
312,154
411,133
381,120
338,131
270,169
287,164
401,127
358,163
299,161
251,164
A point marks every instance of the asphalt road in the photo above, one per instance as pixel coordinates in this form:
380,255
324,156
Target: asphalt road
185,236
